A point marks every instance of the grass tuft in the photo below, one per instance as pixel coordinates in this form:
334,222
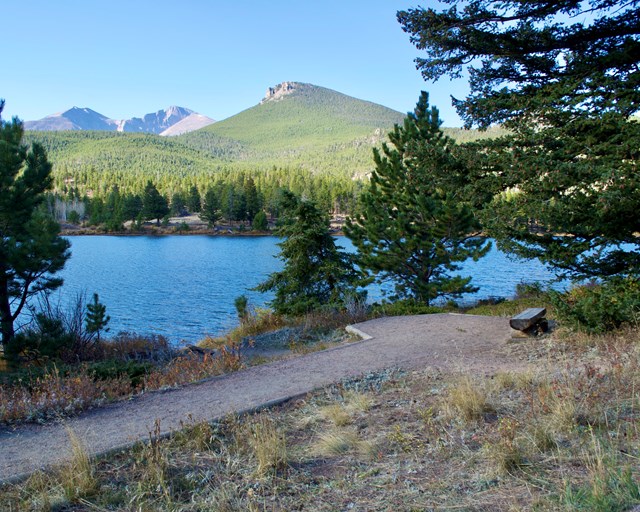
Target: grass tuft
467,400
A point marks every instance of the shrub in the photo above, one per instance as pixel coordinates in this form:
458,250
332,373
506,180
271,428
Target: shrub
601,307
47,339
134,371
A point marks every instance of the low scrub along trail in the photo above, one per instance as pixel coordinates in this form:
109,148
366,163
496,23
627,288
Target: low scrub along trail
445,341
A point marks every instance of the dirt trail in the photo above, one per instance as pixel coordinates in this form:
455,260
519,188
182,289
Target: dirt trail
445,341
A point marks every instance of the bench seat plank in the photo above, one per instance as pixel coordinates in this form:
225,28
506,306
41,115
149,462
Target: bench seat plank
528,318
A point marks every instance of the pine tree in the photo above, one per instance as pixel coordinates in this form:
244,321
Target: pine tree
414,225
316,273
178,204
252,199
260,222
193,200
154,206
131,207
96,319
564,186
31,250
210,208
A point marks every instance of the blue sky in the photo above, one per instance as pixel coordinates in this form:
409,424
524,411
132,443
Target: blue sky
125,58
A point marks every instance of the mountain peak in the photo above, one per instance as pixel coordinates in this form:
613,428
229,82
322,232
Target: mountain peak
279,91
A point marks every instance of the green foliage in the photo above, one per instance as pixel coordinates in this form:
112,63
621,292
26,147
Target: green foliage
96,319
193,200
178,204
316,274
114,368
403,308
529,61
154,206
614,490
414,225
602,307
562,76
575,195
210,211
73,217
47,338
131,207
31,252
241,304
260,222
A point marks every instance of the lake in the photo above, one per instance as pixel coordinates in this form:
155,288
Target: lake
183,287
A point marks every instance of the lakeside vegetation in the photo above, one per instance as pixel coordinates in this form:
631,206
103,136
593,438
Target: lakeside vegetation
561,436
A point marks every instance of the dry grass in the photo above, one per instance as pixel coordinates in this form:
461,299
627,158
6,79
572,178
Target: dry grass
77,477
52,394
269,446
256,322
563,437
335,442
467,400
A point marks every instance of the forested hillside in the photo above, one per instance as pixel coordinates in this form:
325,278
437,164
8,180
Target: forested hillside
312,140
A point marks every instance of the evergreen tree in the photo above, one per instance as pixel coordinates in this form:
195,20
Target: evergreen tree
252,199
96,319
316,273
131,207
414,225
260,222
113,210
563,77
193,200
31,250
178,204
210,208
154,206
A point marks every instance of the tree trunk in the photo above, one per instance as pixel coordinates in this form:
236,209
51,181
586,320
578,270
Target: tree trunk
6,319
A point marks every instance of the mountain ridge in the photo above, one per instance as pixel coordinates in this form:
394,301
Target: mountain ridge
160,122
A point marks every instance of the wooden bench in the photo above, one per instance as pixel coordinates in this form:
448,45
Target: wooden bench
529,319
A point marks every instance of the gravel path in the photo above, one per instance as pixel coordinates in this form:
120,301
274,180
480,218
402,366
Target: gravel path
445,341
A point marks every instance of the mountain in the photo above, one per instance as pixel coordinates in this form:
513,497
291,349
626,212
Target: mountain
300,125
190,123
161,122
299,116
73,119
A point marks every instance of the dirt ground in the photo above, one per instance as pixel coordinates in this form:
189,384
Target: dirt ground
453,342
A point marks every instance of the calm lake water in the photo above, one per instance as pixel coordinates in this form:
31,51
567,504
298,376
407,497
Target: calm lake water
183,287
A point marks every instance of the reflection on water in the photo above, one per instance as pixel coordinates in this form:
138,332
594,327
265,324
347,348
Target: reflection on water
183,287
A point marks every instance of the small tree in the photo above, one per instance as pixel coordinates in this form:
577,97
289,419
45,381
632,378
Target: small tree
315,272
96,319
241,304
193,200
414,224
178,204
211,208
154,205
260,222
131,207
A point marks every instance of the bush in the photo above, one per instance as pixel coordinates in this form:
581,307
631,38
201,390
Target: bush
599,307
134,371
47,339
